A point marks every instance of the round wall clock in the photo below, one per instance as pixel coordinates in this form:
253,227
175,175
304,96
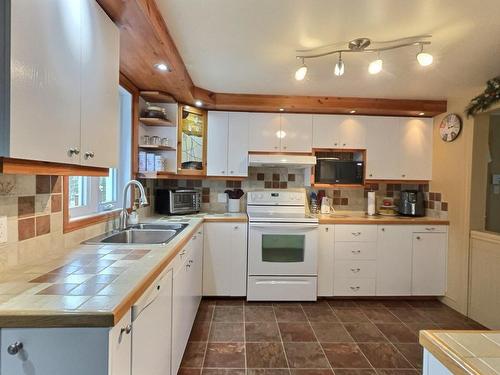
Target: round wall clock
450,127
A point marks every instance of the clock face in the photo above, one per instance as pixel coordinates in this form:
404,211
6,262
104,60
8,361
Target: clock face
450,127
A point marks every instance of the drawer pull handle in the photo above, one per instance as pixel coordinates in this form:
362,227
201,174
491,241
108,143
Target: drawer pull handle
354,287
15,348
356,234
126,330
356,251
355,270
188,266
430,228
194,238
191,261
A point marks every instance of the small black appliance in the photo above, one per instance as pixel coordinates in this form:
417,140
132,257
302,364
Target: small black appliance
412,203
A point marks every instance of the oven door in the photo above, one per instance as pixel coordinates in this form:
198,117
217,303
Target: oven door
282,249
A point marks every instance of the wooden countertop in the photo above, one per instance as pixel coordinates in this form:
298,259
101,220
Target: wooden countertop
353,218
464,352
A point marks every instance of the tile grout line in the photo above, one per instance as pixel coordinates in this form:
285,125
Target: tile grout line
208,338
281,339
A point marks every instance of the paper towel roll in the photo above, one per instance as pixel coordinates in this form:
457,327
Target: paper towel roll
371,203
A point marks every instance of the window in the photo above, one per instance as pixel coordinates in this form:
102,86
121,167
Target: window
94,195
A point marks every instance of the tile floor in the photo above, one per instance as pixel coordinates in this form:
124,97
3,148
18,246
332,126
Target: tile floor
343,337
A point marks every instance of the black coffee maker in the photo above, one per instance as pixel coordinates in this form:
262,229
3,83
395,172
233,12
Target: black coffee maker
412,203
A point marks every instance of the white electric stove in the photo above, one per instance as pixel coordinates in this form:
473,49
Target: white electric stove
282,247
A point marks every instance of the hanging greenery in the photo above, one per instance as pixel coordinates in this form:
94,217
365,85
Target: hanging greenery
484,101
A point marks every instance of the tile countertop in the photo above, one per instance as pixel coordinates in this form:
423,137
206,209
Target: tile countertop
465,352
353,217
91,285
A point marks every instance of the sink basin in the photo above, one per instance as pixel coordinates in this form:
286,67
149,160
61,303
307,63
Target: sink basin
141,234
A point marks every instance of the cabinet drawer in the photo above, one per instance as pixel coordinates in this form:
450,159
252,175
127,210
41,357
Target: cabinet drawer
356,250
353,287
358,233
355,269
430,229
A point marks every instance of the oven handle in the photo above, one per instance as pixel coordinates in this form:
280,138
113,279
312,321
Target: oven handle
284,225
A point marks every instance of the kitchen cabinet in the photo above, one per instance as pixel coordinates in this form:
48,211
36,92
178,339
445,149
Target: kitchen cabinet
227,144
382,149
429,263
326,247
394,260
415,149
339,131
120,348
274,132
225,259
62,86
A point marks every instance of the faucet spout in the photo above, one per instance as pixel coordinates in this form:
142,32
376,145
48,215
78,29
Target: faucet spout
143,200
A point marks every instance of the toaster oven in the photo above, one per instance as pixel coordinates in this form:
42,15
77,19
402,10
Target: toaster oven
177,201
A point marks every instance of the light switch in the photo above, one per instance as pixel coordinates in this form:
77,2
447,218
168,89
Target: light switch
3,229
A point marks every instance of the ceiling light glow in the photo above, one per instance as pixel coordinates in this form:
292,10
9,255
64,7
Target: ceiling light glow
375,66
353,111
198,103
282,109
421,114
424,58
162,67
301,72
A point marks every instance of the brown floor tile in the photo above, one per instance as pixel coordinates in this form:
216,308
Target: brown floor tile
228,314
331,332
415,328
58,289
410,315
414,353
293,331
345,355
322,313
200,331
259,314
223,371
365,332
384,355
226,332
265,355
352,371
425,303
397,372
342,304
351,316
193,355
225,355
312,372
397,332
262,332
305,355
205,313
230,302
395,304
381,316
263,371
370,304
189,371
289,313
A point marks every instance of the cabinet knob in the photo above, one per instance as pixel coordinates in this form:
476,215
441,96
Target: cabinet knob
419,238
236,227
15,348
284,147
403,175
383,229
326,229
126,329
223,172
232,172
356,234
191,261
355,251
199,232
275,147
354,287
188,266
89,155
344,144
73,151
355,270
430,228
335,144
371,175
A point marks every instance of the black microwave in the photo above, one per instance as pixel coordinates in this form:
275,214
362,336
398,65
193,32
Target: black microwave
334,171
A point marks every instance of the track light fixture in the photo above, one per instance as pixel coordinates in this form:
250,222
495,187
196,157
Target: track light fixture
362,45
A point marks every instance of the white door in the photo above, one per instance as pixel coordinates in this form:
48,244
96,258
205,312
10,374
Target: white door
382,148
326,247
394,260
45,80
326,131
120,347
217,143
352,131
296,132
416,149
237,144
429,264
264,132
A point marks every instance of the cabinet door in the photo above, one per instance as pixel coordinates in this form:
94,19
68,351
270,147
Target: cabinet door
238,259
394,259
429,264
45,80
100,87
237,145
382,148
326,131
352,131
120,347
296,132
415,149
264,132
217,143
197,269
325,260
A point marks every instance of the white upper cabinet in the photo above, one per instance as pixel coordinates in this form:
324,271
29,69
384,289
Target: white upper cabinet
382,148
100,81
415,148
227,144
326,131
338,131
63,78
296,133
263,132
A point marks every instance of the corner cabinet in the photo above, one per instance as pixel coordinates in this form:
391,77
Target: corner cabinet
60,99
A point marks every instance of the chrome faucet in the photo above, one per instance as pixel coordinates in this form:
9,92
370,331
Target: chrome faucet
143,200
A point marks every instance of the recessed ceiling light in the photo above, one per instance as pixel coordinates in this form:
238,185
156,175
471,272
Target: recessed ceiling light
198,103
421,113
353,111
162,67
282,109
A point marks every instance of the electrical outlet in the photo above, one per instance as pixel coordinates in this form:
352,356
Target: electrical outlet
3,229
222,197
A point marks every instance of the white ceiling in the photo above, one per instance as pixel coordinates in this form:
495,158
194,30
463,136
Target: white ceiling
248,46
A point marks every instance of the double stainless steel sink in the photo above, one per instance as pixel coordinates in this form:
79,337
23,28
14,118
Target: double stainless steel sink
141,234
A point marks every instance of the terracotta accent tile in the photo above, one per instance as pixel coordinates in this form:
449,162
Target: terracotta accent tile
120,251
291,177
265,355
283,185
43,185
237,184
225,355
336,193
86,270
432,196
47,278
444,206
106,279
431,205
276,184
56,203
229,184
58,289
336,201
56,182
205,191
64,270
26,206
42,225
26,229
205,199
437,197
139,251
268,185
344,201
260,176
276,177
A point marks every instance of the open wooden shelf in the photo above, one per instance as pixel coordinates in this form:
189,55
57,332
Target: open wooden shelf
157,147
157,97
156,122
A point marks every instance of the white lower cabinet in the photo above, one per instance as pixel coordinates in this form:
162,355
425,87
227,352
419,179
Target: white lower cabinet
225,259
325,260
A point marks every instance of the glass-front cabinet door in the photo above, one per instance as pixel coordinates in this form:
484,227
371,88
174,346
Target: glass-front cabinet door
192,141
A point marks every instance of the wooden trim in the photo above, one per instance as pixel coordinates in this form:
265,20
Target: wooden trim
131,88
35,167
157,97
172,176
191,172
